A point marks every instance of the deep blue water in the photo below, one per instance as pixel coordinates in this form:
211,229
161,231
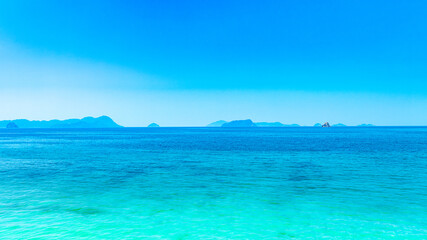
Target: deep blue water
214,183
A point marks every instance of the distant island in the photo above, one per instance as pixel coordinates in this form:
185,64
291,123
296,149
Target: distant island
217,123
239,123
250,123
153,125
326,124
87,122
107,122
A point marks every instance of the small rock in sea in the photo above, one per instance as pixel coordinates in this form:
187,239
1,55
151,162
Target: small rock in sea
326,124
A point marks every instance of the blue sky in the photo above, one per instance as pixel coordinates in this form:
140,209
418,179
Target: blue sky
188,63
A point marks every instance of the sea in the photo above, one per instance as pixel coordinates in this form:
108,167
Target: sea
214,183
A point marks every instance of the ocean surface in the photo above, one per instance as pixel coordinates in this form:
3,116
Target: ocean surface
214,183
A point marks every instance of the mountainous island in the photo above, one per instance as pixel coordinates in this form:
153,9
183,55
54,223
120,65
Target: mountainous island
87,122
107,122
217,123
250,123
239,123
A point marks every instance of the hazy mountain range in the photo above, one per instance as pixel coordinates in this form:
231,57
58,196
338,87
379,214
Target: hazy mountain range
87,122
107,122
217,123
250,123
240,123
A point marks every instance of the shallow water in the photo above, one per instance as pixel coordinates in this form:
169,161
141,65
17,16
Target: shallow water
213,183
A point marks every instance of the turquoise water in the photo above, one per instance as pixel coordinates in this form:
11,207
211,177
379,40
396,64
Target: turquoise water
213,183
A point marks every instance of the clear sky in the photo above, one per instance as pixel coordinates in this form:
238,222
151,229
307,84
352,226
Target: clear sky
189,63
